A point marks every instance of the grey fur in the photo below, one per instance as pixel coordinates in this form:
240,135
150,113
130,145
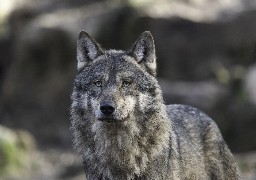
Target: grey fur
143,138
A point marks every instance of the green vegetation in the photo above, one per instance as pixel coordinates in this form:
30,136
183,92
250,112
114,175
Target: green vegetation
15,148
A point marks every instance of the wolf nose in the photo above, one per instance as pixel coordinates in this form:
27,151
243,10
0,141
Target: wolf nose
107,109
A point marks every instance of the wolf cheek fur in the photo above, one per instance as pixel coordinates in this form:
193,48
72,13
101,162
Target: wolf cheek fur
123,130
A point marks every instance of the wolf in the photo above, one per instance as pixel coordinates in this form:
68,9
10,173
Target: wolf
123,130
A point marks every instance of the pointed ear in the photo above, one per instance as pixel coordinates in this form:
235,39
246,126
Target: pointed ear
87,49
144,52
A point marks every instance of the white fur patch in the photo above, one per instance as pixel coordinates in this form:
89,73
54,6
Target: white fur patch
74,104
125,107
152,65
80,64
144,102
84,99
96,108
130,102
80,60
95,126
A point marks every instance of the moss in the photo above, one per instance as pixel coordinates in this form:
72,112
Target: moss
14,151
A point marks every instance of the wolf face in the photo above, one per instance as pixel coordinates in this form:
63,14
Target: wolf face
111,84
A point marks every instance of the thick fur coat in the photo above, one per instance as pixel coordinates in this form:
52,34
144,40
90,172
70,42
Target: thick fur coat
123,130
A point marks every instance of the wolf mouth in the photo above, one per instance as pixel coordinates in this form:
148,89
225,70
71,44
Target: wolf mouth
108,120
113,120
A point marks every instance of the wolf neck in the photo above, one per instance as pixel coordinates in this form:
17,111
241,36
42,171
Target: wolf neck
130,146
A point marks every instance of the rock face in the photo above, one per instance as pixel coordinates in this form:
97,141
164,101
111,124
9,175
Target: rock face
202,62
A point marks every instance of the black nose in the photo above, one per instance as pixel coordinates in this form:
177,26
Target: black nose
107,108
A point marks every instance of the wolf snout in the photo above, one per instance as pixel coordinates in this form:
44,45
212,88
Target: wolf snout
107,108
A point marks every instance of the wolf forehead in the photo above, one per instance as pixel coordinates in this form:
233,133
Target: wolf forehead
116,60
113,63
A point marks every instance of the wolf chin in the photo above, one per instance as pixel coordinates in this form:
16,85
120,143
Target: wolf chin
123,130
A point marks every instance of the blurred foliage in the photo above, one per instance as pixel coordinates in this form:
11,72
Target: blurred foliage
15,149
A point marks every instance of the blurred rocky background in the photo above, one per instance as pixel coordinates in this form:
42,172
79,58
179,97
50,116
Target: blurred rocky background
206,53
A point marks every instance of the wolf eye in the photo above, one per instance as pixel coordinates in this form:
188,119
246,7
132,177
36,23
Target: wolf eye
126,84
98,83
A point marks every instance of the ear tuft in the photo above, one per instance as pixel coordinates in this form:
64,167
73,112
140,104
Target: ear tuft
87,49
144,52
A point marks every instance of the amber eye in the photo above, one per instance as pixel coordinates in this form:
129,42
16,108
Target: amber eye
98,83
126,84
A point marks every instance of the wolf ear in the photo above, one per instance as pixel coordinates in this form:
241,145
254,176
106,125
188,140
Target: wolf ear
87,49
144,52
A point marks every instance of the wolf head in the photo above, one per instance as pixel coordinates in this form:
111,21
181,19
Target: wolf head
114,85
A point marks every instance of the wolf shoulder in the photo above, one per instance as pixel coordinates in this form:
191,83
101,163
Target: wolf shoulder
192,123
